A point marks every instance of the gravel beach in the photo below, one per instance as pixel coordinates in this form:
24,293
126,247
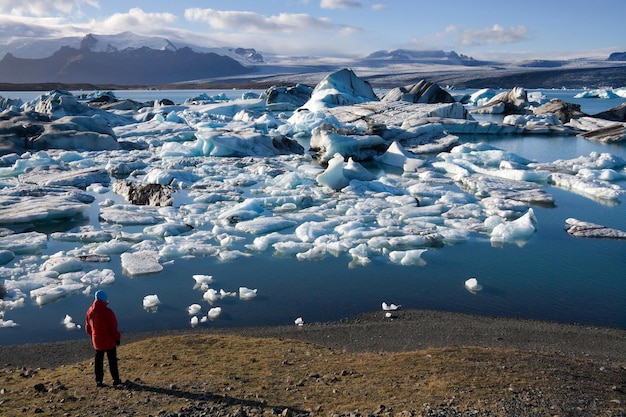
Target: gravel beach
407,330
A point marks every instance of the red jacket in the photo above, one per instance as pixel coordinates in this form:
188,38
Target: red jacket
101,325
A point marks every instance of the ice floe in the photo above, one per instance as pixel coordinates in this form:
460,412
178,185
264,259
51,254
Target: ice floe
579,228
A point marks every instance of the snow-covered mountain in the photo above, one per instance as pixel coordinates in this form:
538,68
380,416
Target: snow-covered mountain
43,48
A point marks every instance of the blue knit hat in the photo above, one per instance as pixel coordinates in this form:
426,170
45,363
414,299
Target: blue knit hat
101,295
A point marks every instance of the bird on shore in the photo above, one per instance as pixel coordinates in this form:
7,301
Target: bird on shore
390,307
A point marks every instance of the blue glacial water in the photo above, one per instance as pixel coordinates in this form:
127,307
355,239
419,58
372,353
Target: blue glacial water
553,277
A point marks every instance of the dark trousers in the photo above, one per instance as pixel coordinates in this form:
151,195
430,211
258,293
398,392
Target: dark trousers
99,364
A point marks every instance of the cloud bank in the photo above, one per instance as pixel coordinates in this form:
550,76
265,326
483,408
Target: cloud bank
256,22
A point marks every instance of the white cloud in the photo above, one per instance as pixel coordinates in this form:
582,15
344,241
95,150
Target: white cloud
497,34
379,6
12,27
455,36
255,22
44,7
340,4
136,20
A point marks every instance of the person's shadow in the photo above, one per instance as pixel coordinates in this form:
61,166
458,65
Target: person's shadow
222,399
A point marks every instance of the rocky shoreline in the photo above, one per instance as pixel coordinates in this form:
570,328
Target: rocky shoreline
407,330
549,369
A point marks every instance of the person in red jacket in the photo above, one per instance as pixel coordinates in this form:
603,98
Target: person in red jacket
101,326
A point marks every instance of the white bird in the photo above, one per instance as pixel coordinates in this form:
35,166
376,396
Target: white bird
299,321
194,309
246,293
214,313
390,307
473,286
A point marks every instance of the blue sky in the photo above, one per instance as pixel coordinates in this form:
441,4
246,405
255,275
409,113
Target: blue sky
484,29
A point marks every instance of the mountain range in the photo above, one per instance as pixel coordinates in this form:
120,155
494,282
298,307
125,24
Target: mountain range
93,62
127,59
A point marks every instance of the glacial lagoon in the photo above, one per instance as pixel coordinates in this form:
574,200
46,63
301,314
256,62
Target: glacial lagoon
551,276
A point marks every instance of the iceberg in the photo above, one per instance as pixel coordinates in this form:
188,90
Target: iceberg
597,93
517,231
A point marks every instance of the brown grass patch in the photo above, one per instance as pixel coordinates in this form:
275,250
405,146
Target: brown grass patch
171,373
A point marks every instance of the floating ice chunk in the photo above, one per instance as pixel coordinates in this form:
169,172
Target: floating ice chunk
194,309
517,231
339,174
98,188
299,321
328,142
224,294
484,186
264,225
141,263
24,243
99,277
6,256
408,257
309,231
129,215
481,97
533,121
7,323
472,285
399,157
115,246
315,253
334,176
246,210
390,306
19,301
247,293
214,313
69,324
597,93
290,248
83,236
53,292
596,189
167,229
579,228
341,88
211,295
202,280
360,255
505,208
151,303
231,255
62,264
450,168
